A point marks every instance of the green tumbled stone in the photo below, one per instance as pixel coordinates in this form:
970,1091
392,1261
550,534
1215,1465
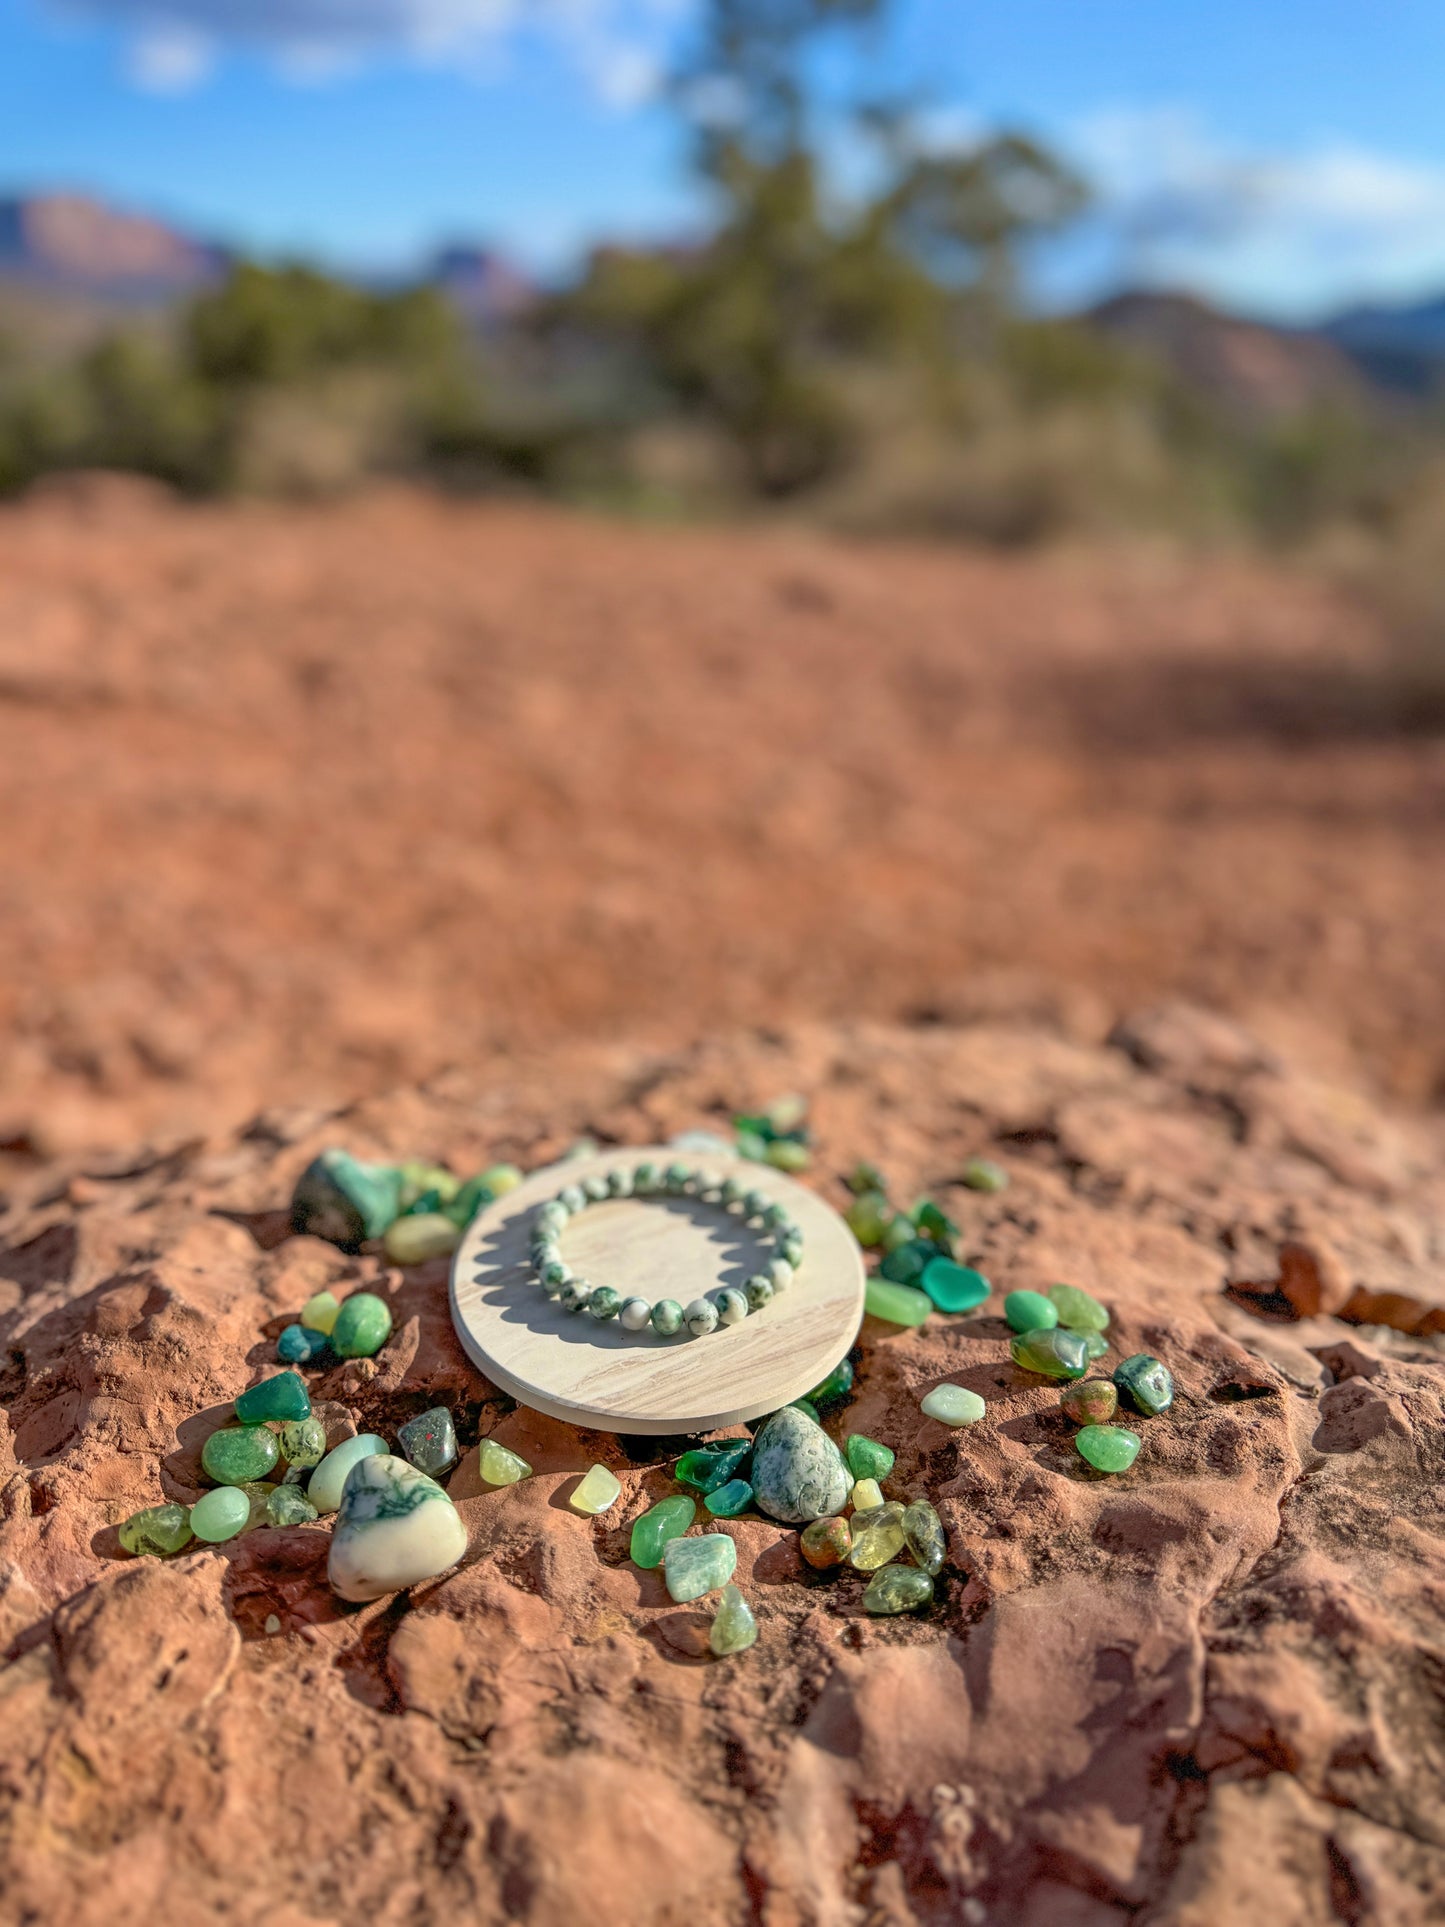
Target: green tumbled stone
1078,1309
1095,1343
1108,1448
416,1239
869,1216
1093,1401
709,1466
734,1628
303,1441
866,1177
596,1490
362,1326
319,1312
667,1317
239,1453
695,1566
808,1409
867,1459
953,1405
1146,1383
498,1465
982,1174
836,1385
954,1287
729,1500
345,1200
669,1519
797,1472
787,1154
158,1530
896,1304
923,1531
604,1303
897,1589
1055,1353
221,1514
419,1181
469,1200
878,1536
901,1231
935,1224
429,1441
288,1505
1029,1311
258,1497
826,1542
907,1264
298,1346
283,1397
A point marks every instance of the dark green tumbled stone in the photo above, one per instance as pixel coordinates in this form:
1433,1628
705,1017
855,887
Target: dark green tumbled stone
239,1454
158,1530
1146,1383
906,1264
345,1200
430,1441
1054,1352
837,1384
867,1459
709,1466
935,1224
729,1500
954,1287
1029,1311
284,1397
298,1345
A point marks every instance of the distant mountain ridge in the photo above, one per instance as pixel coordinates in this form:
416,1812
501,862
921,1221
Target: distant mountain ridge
75,245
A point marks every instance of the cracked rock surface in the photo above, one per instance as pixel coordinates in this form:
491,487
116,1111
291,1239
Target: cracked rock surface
1210,1691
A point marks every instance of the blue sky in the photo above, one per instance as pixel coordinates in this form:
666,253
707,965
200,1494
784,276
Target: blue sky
1280,155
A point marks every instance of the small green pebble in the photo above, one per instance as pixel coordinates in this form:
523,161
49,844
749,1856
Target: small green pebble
1077,1309
498,1465
897,1589
298,1345
707,1467
303,1441
692,1567
221,1514
896,1304
837,1384
866,1494
866,1177
923,1531
668,1519
729,1501
1108,1448
954,1287
982,1174
901,1231
595,1491
1054,1353
239,1453
283,1397
867,1459
1146,1383
288,1505
362,1326
158,1530
869,1216
412,1241
1029,1311
907,1263
734,1628
1095,1344
1092,1401
935,1224
423,1180
878,1537
952,1405
786,1154
318,1314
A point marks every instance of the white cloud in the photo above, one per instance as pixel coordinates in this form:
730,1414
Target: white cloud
1283,234
169,60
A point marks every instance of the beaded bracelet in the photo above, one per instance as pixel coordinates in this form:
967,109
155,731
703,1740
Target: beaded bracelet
730,1306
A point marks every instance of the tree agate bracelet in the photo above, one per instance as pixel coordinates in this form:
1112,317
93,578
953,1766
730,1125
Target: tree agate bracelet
730,1306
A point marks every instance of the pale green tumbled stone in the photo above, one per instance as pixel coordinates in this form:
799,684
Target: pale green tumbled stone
157,1529
326,1482
1077,1309
695,1566
413,1240
303,1441
1108,1448
866,1494
734,1628
896,1304
288,1505
897,1589
953,1405
665,1521
318,1314
877,1537
396,1527
499,1465
596,1490
221,1514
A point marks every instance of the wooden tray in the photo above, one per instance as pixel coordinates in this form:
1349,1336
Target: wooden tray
571,1367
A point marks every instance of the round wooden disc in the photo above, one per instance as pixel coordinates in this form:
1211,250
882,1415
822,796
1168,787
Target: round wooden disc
571,1367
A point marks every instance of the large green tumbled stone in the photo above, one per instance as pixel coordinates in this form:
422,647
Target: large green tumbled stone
867,1459
1108,1448
1146,1383
288,1505
907,1263
668,1519
695,1566
926,1539
1055,1353
897,1589
239,1453
1078,1309
734,1628
954,1287
896,1304
836,1385
303,1441
1029,1311
221,1514
709,1466
730,1500
362,1326
1092,1401
878,1536
344,1200
158,1530
283,1397
797,1472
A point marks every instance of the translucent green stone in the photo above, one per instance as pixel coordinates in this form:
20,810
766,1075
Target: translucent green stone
710,1466
1055,1353
362,1326
897,1589
1077,1309
900,1231
596,1490
345,1200
258,1495
924,1534
826,1542
982,1174
667,1317
240,1453
692,1567
221,1514
953,1405
869,1216
877,1537
1108,1448
1146,1383
734,1628
1095,1344
907,1263
412,1241
1092,1401
729,1500
288,1505
954,1287
866,1494
303,1441
429,1441
499,1179
896,1304
283,1397
499,1465
808,1409
935,1224
668,1519
158,1530
1029,1311
318,1314
836,1385
298,1345
867,1459
604,1303
787,1154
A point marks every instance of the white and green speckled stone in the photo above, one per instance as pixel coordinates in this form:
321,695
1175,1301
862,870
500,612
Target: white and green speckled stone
798,1474
395,1528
